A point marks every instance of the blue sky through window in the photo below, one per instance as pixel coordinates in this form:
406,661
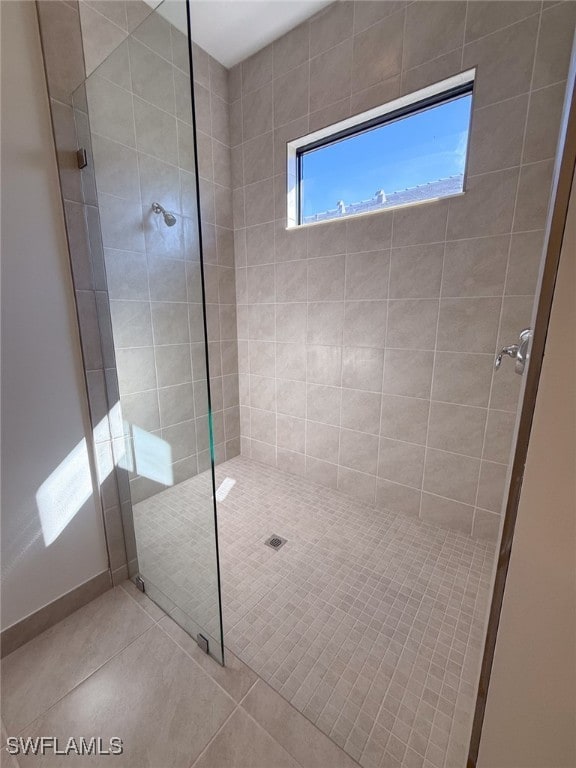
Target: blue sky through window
413,150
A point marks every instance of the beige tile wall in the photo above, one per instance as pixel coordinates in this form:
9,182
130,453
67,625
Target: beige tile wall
366,346
215,180
139,105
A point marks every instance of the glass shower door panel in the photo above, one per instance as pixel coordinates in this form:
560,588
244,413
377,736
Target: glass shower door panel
139,105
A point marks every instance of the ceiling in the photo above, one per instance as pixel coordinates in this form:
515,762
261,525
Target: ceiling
231,30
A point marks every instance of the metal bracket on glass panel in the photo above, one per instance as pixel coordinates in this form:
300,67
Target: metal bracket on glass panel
202,643
139,581
81,158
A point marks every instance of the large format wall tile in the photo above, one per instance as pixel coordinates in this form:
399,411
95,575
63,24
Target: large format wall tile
60,26
101,35
410,326
330,76
475,267
140,115
483,18
432,29
506,58
111,112
378,52
387,324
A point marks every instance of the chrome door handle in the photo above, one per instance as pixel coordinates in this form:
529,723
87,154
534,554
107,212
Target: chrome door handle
519,352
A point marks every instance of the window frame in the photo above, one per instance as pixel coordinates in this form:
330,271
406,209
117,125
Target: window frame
434,95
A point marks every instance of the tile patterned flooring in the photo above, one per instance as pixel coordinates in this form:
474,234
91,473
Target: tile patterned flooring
369,623
120,667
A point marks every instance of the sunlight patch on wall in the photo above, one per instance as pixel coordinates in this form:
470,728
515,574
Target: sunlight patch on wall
64,493
152,456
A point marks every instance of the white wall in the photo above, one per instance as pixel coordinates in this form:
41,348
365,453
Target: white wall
530,717
44,409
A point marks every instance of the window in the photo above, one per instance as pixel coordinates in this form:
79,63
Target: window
408,151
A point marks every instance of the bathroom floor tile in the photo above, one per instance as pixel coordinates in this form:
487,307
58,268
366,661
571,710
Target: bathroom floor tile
369,623
39,673
152,695
242,743
236,678
7,760
293,731
143,600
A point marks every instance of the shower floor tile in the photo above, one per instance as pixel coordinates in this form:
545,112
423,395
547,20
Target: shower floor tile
370,623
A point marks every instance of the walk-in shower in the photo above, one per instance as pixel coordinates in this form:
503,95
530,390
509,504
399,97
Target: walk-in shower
330,385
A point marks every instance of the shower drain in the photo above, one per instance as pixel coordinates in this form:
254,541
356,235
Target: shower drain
275,542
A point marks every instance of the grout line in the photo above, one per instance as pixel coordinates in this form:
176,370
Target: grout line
314,421
433,368
219,273
261,726
500,29
122,587
146,254
415,518
504,294
403,68
274,272
192,659
91,674
124,30
251,688
380,436
463,46
213,737
341,347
